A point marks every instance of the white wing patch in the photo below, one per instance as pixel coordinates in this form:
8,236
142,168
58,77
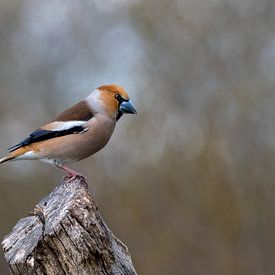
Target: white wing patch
63,125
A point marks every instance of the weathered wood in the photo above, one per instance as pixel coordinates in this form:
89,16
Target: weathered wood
66,235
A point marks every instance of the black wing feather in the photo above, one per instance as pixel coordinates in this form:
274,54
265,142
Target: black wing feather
40,135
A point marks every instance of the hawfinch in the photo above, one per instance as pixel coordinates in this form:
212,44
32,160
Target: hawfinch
76,133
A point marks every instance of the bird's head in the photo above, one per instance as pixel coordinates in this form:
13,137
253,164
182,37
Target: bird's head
114,99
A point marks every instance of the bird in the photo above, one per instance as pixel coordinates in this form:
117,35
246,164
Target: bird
76,133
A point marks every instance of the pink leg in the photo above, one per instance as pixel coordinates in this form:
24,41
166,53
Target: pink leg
71,173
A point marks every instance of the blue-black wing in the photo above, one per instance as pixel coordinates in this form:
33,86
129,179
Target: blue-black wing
40,135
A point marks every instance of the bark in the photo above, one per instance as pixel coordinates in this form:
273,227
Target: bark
66,235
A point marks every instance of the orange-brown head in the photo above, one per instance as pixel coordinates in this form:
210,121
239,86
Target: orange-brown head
113,99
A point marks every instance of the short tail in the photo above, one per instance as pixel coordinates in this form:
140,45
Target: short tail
7,158
13,155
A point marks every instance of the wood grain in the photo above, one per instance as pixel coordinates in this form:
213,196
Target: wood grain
66,235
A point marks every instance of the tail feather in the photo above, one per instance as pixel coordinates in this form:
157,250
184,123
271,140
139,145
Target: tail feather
7,158
13,155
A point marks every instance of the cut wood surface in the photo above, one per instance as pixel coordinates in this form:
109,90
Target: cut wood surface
66,235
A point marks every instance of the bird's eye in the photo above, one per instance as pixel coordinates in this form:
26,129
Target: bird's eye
118,97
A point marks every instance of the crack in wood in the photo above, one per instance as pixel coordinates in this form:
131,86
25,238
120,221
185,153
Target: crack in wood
65,250
67,235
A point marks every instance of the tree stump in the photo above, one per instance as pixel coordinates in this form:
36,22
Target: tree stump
66,235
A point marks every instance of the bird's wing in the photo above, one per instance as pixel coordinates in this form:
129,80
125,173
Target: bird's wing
70,121
79,111
52,130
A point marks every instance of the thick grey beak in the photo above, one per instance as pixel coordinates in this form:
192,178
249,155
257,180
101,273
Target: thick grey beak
127,107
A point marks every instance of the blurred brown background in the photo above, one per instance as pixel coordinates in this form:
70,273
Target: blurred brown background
189,183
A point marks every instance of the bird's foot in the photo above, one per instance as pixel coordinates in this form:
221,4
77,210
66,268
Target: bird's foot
73,176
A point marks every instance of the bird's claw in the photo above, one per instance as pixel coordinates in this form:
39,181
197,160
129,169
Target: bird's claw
72,177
